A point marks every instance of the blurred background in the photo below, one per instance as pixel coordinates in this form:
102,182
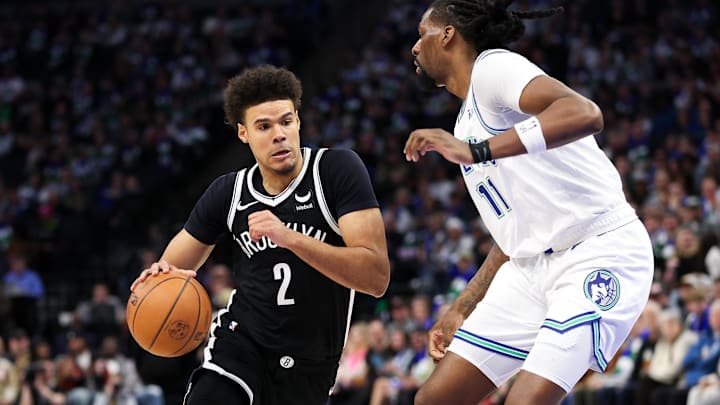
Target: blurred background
111,126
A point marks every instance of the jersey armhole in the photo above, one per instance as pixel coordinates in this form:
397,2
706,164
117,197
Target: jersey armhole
332,222
237,192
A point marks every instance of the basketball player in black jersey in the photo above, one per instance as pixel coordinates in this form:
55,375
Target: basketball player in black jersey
310,233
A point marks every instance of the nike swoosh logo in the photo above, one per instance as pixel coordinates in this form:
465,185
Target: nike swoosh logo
303,198
241,207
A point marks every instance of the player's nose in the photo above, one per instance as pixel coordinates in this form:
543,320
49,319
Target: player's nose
279,134
416,48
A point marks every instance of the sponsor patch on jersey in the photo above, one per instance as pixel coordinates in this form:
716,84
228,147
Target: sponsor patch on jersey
303,207
602,288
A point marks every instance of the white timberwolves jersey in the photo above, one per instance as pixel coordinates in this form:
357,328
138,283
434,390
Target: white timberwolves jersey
534,203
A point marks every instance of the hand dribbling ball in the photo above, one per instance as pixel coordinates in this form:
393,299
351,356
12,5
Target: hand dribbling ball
169,315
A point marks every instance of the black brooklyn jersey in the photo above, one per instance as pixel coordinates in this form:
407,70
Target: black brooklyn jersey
281,302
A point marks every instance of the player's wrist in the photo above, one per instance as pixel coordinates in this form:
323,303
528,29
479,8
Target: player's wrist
531,135
480,151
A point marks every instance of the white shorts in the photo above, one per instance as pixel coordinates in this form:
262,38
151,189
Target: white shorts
559,314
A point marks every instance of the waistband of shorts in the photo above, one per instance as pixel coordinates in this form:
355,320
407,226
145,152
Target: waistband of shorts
274,357
606,222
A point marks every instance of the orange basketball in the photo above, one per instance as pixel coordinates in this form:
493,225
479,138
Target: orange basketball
169,314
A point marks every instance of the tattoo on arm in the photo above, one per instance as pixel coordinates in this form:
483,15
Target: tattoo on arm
479,284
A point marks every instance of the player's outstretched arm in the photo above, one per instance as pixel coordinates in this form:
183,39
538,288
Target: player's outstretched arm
184,254
362,264
442,332
559,116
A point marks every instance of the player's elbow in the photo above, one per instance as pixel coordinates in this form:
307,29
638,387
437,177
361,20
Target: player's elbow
592,118
382,280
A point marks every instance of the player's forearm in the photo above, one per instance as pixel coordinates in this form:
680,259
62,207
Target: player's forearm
361,268
186,252
479,284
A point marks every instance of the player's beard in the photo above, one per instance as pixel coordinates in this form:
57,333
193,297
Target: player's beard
426,81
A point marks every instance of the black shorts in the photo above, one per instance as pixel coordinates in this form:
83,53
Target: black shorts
267,378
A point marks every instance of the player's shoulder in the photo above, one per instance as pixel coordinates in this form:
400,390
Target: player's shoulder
223,183
497,55
226,179
498,60
338,158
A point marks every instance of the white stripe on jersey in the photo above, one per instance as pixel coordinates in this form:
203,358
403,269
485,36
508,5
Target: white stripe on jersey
209,365
321,196
237,192
334,225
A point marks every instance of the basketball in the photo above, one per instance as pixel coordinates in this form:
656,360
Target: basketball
169,314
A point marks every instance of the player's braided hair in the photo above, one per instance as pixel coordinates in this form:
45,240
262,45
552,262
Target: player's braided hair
486,24
257,85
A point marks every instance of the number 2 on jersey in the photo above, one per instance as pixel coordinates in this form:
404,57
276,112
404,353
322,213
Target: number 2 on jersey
492,195
282,271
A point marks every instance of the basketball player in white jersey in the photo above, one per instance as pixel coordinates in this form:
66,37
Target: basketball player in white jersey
572,264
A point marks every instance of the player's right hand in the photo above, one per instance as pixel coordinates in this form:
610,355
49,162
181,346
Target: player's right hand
441,334
422,141
160,267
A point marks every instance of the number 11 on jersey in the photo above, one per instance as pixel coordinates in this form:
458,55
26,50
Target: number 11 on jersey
492,195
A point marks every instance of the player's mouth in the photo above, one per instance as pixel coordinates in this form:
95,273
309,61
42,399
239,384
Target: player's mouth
281,154
418,68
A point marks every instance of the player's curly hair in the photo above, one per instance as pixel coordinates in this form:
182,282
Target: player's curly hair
257,85
485,24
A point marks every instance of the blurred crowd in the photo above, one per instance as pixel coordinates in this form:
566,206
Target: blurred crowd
97,107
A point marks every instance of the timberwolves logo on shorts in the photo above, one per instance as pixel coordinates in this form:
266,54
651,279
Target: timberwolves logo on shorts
602,288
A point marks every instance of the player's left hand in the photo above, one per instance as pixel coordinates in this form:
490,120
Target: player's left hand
265,223
441,334
422,141
159,267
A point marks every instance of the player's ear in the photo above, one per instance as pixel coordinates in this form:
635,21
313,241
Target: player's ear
448,34
297,117
242,133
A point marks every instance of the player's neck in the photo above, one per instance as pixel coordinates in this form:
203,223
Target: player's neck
458,80
275,183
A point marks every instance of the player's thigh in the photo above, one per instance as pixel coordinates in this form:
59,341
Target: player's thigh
304,383
556,360
209,387
603,287
585,325
454,381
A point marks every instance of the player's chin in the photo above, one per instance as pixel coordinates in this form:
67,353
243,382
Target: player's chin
425,80
284,168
